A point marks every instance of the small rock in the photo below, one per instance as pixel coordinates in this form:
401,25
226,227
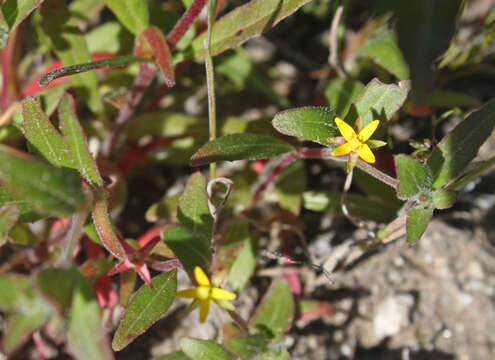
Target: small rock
391,315
475,271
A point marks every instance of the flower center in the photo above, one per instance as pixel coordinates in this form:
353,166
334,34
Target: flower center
203,293
355,143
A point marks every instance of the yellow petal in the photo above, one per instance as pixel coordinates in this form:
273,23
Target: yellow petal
204,308
342,150
188,293
366,154
221,294
201,277
368,130
345,129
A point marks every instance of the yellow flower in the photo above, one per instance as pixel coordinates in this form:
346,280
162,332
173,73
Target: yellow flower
205,293
356,143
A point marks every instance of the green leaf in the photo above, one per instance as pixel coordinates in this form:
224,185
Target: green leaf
52,191
444,199
178,355
164,209
43,138
424,36
247,346
26,211
114,62
275,313
57,286
457,149
19,326
309,123
76,141
240,25
190,240
109,37
8,217
21,234
238,67
133,14
417,220
86,338
341,93
290,186
378,101
204,350
245,261
383,49
449,99
14,12
414,177
145,308
358,205
14,292
153,41
70,46
238,147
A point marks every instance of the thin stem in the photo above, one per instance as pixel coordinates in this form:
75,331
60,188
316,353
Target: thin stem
210,80
333,59
76,228
326,153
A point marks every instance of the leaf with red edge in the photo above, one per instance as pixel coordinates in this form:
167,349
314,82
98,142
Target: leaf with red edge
152,43
310,310
145,308
104,228
14,12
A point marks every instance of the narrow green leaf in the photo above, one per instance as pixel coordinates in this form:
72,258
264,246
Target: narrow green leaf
383,49
414,177
424,36
457,149
86,338
358,205
245,261
341,93
309,123
52,191
238,147
242,24
26,211
417,221
275,313
70,46
190,240
43,138
204,350
8,217
15,11
133,14
378,101
118,61
153,38
76,141
145,308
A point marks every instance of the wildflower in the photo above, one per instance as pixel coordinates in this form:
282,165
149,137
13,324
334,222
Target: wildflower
205,293
357,143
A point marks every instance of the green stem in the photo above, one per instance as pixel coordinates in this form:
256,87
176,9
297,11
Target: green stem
210,80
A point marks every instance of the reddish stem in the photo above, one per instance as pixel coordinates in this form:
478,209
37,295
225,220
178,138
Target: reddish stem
286,160
185,23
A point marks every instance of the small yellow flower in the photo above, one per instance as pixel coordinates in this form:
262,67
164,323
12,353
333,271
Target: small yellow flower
205,293
356,143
